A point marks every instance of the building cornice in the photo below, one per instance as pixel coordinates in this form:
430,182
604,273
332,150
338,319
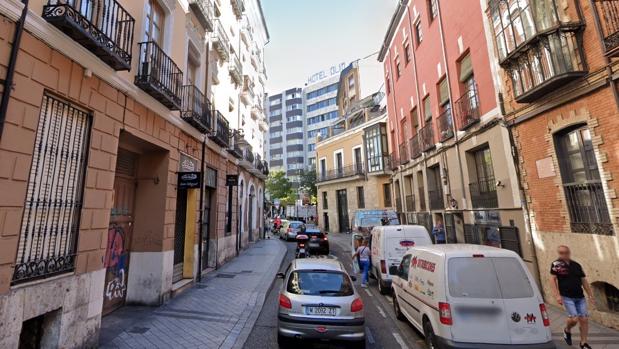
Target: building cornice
393,26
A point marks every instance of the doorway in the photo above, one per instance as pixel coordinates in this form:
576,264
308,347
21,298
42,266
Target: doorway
358,161
179,234
325,217
206,221
250,213
116,260
342,210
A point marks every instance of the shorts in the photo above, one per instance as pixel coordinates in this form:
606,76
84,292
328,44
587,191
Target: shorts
575,307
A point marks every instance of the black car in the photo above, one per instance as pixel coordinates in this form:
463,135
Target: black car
318,241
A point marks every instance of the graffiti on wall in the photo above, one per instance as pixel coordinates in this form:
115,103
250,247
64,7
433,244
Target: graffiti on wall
116,263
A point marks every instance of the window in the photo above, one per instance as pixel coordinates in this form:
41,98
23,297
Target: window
427,109
322,117
50,222
407,53
433,7
325,203
320,283
414,118
292,107
311,147
483,190
421,190
404,267
443,90
582,184
153,22
387,195
360,198
376,147
418,32
398,67
322,91
321,104
276,102
388,85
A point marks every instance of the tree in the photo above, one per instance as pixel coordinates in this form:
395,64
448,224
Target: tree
278,186
308,181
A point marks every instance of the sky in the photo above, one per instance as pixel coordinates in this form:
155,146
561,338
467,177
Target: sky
308,36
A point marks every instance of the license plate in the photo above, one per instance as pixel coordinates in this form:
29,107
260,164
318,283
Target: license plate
314,245
329,311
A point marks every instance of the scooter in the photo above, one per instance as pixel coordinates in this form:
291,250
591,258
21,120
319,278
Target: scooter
302,247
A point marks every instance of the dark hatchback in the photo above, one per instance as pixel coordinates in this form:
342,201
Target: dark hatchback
318,241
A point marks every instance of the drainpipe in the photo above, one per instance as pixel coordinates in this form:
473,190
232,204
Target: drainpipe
8,81
201,219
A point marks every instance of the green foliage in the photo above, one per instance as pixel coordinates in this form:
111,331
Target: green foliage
278,186
308,182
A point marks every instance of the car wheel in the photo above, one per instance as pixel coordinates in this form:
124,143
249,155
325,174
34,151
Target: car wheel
428,332
382,288
359,344
283,341
397,310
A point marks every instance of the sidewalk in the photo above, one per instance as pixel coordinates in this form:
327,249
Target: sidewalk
219,312
600,337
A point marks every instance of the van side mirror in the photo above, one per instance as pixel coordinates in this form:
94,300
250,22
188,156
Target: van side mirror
280,275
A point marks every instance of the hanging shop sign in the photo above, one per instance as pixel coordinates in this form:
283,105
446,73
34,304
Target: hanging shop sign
232,180
189,180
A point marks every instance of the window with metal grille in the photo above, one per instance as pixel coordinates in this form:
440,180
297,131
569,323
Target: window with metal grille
360,197
50,221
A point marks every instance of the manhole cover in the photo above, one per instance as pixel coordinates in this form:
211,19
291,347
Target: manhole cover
225,276
139,330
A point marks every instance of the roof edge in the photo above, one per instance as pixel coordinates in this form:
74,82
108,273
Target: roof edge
395,19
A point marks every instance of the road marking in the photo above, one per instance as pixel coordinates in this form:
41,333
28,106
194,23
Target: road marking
369,335
368,292
389,299
400,341
381,311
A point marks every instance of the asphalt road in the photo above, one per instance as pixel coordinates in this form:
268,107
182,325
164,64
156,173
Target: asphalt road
383,330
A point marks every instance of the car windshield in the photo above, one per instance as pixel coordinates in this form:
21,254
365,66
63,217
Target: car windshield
319,283
488,278
374,218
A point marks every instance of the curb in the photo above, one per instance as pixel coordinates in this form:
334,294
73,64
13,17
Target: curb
264,287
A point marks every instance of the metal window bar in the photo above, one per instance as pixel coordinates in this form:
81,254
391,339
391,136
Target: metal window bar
159,75
436,199
404,156
608,14
410,203
415,146
222,130
467,109
196,109
483,193
395,161
587,207
343,172
426,137
102,26
51,218
445,125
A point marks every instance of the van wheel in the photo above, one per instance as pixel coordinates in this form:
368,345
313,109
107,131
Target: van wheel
382,288
428,332
396,309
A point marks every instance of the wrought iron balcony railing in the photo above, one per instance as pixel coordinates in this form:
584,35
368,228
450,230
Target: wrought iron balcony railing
248,155
415,146
483,193
265,169
159,76
235,144
410,203
238,7
467,109
236,70
259,163
203,9
395,161
221,43
404,156
104,27
445,125
344,172
196,109
436,199
379,164
426,137
586,204
221,134
608,14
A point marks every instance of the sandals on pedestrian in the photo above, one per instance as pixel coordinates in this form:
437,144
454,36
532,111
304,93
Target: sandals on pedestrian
585,346
567,336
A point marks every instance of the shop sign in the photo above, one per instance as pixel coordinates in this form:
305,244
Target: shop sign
232,180
189,180
188,164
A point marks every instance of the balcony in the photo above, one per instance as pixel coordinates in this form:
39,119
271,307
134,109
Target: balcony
221,134
105,30
265,169
203,9
221,43
415,147
410,203
248,155
248,95
257,111
247,36
394,161
159,76
445,125
436,199
344,172
426,137
196,109
586,204
608,14
404,157
467,109
238,7
546,62
235,145
236,70
379,164
483,193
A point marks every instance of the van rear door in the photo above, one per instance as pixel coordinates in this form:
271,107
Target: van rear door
477,307
522,304
395,248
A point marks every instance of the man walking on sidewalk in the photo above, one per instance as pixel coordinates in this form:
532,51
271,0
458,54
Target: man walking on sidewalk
568,282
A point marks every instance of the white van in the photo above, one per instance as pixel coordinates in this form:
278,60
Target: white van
389,244
471,296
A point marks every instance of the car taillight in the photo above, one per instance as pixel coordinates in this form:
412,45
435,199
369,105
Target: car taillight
325,238
542,309
357,305
383,267
284,302
445,313
301,245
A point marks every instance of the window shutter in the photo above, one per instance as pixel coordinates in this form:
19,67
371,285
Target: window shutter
444,91
427,108
466,68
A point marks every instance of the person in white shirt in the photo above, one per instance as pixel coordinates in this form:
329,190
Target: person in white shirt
363,255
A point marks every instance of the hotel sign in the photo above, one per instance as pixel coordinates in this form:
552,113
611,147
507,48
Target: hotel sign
327,73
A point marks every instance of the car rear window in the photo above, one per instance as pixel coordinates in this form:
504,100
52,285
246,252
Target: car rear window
319,283
374,218
488,278
315,233
295,225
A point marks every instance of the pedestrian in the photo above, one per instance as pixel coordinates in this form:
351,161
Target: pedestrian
568,283
438,232
363,254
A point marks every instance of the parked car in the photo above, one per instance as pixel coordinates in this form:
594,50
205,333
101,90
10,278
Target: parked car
318,301
318,241
389,244
364,220
471,296
292,229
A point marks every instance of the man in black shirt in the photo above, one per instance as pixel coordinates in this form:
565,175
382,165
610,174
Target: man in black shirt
569,280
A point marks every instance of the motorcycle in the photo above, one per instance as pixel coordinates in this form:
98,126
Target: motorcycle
302,247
